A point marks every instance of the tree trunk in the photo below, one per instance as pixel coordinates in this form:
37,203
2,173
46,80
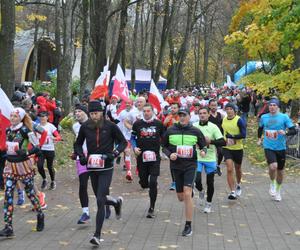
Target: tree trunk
84,66
35,50
197,53
121,40
99,24
7,37
172,66
152,48
65,69
134,45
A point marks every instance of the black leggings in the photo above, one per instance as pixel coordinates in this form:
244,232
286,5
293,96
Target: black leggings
49,157
150,183
220,155
101,181
209,182
83,184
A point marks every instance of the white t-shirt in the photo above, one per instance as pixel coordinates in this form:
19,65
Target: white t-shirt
194,117
183,101
190,98
125,131
49,143
76,127
113,109
134,115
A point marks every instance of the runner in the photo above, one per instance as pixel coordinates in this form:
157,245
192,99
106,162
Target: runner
179,144
101,135
274,126
126,131
48,151
19,167
213,137
216,118
171,119
81,116
234,133
145,140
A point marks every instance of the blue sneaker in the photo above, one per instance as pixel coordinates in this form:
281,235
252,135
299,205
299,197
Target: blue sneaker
84,218
107,211
173,186
21,197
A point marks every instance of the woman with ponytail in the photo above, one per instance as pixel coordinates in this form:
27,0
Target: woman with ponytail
19,167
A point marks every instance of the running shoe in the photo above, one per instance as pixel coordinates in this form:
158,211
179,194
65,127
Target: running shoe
84,219
129,176
118,207
272,190
278,196
187,231
95,241
238,190
173,186
232,195
52,185
107,211
207,208
201,198
218,171
41,197
44,184
150,213
40,222
21,197
7,232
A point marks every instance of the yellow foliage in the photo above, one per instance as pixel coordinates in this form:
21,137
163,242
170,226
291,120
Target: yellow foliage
35,17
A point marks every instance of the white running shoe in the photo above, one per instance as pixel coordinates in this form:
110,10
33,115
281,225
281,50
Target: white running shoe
238,190
278,196
232,195
207,208
201,198
272,190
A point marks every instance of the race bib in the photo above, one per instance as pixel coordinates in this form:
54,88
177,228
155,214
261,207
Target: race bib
185,151
96,161
272,134
149,156
12,147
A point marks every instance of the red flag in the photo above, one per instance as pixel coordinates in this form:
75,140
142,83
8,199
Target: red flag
101,86
155,98
5,110
120,88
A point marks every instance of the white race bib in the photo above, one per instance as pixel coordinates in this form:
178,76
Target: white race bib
96,161
12,147
185,151
272,134
149,156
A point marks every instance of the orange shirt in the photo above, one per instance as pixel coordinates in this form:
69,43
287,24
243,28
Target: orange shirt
171,117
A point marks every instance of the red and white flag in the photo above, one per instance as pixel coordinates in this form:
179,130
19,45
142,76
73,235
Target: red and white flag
155,97
5,110
101,85
120,88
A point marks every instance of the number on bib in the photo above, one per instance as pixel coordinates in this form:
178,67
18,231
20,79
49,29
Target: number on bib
149,156
185,151
96,161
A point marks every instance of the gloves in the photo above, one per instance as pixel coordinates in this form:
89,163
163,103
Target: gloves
83,160
21,152
116,153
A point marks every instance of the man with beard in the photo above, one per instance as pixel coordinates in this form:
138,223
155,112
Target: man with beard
100,135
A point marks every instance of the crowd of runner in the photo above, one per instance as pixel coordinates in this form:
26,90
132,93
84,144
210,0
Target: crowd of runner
196,130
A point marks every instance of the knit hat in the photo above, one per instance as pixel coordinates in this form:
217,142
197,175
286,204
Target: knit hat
184,111
274,101
232,105
21,112
95,106
82,108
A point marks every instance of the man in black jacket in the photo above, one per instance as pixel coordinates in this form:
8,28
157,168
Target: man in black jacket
101,135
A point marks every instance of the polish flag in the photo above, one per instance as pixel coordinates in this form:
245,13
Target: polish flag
155,97
5,110
120,88
101,85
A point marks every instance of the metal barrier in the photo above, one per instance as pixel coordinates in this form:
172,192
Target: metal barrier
293,145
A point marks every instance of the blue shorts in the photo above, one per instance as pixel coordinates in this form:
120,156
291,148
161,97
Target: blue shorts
209,167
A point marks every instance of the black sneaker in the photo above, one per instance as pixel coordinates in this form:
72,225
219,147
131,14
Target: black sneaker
118,208
150,213
52,185
7,232
107,211
187,231
95,241
40,222
44,184
124,168
218,171
118,161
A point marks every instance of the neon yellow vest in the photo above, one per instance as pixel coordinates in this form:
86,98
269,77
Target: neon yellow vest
231,127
